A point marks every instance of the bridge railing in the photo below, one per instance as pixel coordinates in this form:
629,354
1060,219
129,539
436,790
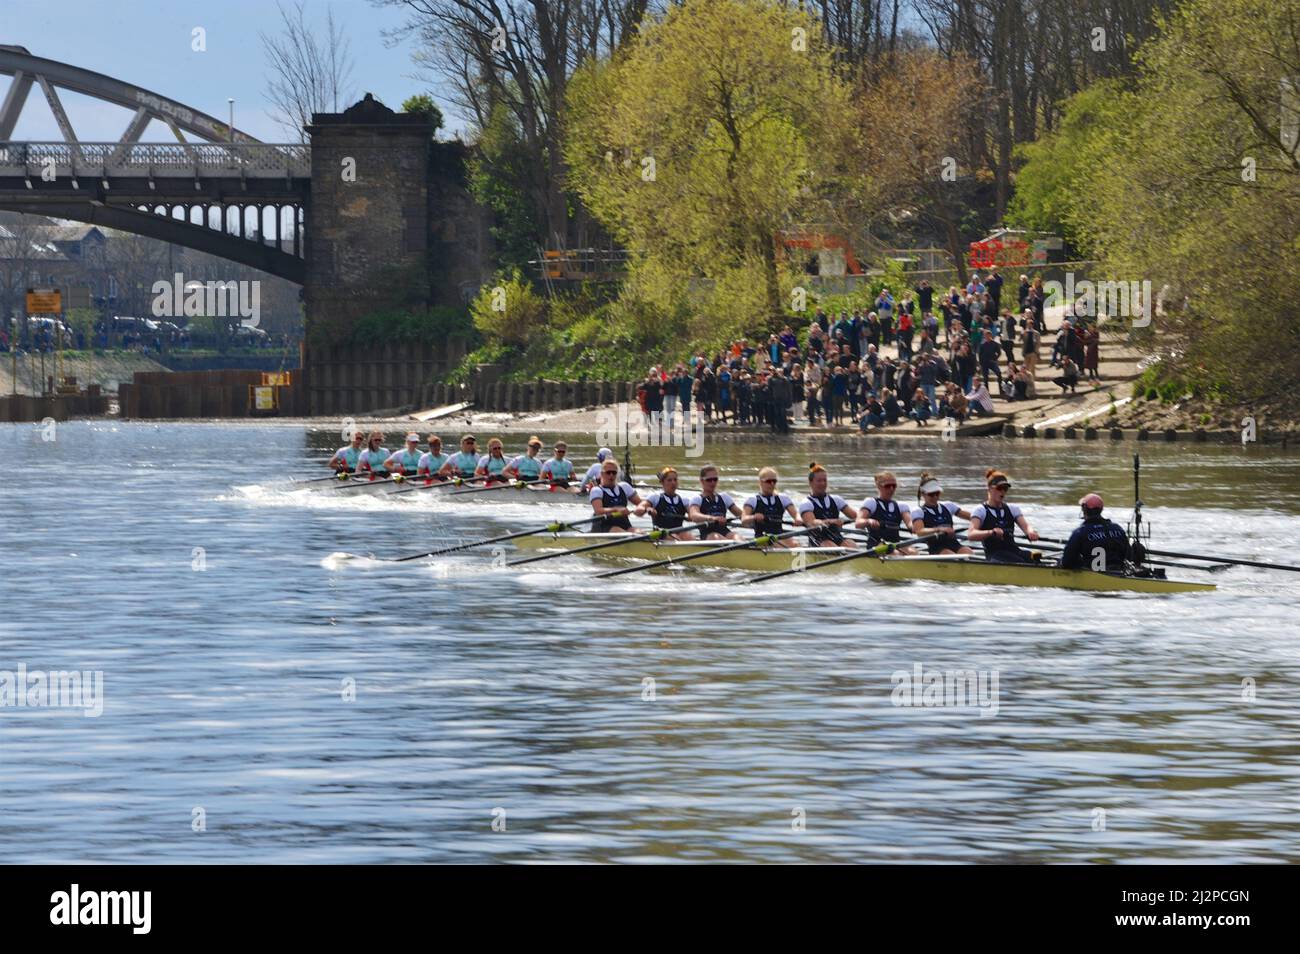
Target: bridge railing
247,160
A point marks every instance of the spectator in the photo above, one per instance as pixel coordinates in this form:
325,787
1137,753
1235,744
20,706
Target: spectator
979,401
920,411
1092,353
989,356
1069,378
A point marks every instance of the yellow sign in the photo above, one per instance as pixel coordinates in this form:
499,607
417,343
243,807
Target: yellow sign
276,378
261,397
44,301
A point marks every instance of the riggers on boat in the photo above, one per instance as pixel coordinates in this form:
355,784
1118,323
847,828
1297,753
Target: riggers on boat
954,568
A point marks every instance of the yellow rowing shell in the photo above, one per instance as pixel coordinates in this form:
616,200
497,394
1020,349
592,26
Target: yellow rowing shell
942,569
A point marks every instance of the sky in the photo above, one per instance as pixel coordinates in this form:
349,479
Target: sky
148,44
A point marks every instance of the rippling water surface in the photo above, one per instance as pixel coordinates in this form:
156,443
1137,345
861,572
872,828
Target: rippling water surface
229,634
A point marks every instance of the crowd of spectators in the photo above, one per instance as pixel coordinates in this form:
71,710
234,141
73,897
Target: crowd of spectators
954,354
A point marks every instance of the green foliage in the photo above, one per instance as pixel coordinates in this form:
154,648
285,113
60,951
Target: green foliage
424,326
1051,187
498,171
508,310
423,104
1193,192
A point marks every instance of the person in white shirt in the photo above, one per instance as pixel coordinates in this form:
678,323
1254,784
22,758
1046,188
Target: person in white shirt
932,519
825,513
765,511
712,506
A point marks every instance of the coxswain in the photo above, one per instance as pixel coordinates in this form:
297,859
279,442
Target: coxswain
932,520
492,465
527,466
405,462
559,469
371,461
611,500
765,511
592,476
464,462
1098,543
825,513
993,523
431,461
709,508
345,459
666,507
881,516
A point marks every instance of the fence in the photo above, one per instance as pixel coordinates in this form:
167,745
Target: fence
346,380
201,394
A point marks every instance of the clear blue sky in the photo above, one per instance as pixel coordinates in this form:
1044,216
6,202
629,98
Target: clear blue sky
148,44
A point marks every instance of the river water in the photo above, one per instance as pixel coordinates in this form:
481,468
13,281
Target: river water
267,700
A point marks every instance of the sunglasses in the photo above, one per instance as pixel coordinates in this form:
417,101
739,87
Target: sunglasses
768,480
888,486
708,480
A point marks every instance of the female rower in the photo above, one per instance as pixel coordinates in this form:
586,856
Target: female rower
405,462
666,507
766,509
371,461
994,523
933,518
592,477
432,460
345,459
881,516
527,466
465,461
492,465
559,469
821,512
709,503
610,499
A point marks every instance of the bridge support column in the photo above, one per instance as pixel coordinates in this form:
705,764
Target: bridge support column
367,245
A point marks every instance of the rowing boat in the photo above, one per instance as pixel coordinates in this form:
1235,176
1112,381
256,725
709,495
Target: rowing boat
409,489
966,568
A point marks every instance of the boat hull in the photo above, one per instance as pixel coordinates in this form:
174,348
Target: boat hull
943,569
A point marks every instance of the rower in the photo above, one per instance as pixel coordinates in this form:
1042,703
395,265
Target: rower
593,472
405,462
371,461
766,510
823,513
527,466
559,469
345,459
464,462
492,465
709,503
432,460
1098,543
610,500
666,507
881,516
932,520
994,523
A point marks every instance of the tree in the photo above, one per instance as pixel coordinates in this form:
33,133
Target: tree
915,132
517,56
1198,192
310,70
719,125
422,104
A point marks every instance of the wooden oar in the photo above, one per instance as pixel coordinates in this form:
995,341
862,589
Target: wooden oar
508,485
420,483
766,539
549,528
624,538
878,550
